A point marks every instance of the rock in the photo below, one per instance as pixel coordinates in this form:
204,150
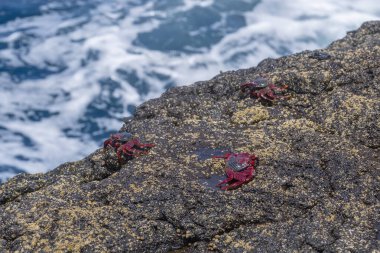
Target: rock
316,188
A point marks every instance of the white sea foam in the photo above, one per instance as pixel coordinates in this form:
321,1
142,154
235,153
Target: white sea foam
85,49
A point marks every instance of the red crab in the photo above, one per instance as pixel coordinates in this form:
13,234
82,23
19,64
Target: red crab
126,146
262,89
239,169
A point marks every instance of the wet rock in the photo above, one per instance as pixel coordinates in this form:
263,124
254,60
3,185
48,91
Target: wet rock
319,55
316,188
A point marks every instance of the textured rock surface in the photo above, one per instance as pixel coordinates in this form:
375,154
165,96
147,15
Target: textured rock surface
316,188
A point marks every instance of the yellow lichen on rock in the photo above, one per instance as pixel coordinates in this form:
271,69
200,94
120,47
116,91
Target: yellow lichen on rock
356,104
301,125
192,120
273,151
256,136
244,245
250,115
351,110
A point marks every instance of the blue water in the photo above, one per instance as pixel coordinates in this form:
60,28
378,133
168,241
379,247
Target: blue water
71,70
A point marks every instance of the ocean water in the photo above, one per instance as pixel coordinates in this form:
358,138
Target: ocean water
71,70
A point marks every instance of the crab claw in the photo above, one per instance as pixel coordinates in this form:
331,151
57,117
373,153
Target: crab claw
285,87
244,86
249,85
106,143
232,186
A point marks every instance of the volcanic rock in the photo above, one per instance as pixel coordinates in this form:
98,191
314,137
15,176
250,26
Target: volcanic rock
316,187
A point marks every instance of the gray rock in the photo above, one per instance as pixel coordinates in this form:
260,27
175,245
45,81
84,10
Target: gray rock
316,188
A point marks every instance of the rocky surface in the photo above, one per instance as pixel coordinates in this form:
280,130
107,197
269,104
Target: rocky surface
316,188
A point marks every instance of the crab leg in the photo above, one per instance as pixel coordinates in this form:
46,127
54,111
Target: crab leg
267,97
237,183
241,178
225,181
230,176
280,97
273,87
245,86
123,152
271,96
140,152
232,186
137,143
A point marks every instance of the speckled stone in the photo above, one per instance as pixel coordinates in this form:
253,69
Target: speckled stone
316,188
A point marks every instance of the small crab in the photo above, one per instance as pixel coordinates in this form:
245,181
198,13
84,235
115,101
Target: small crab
240,168
126,146
261,88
